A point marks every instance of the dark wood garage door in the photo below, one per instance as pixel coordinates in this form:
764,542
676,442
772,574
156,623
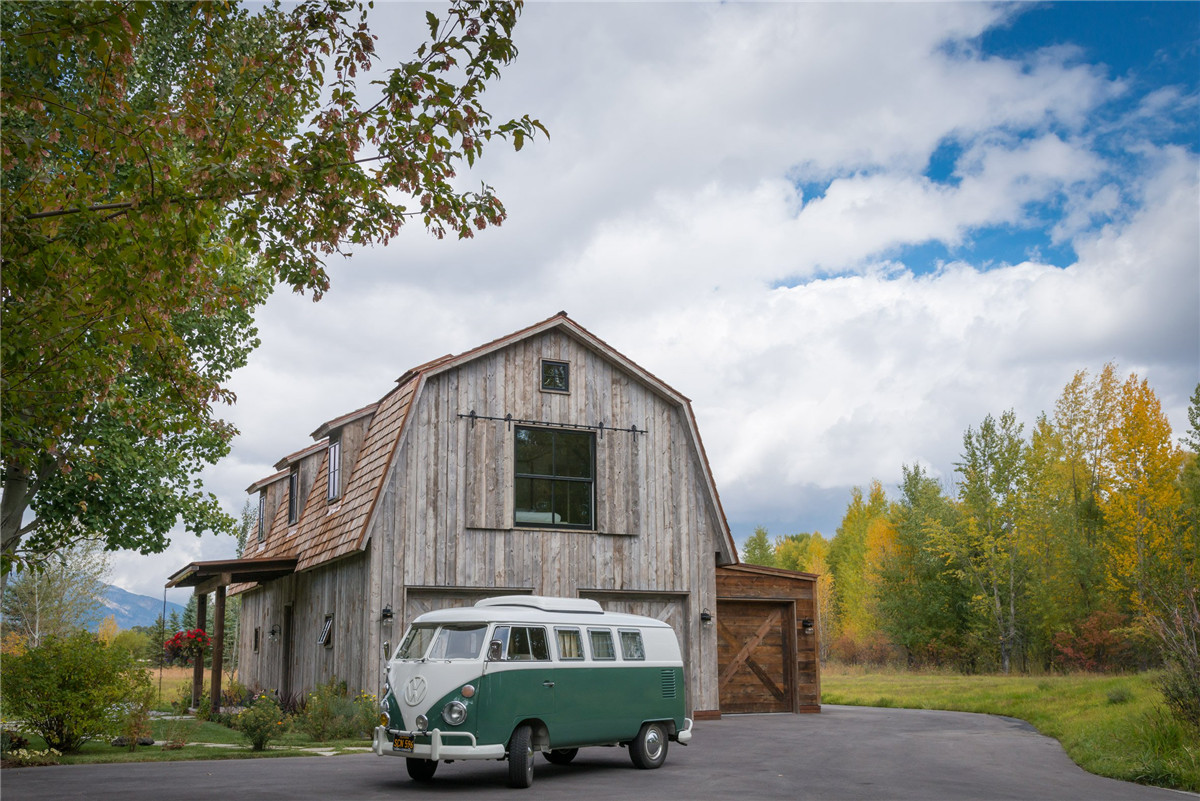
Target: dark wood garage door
756,656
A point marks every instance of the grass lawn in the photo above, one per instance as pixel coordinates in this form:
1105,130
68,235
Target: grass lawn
1113,726
204,741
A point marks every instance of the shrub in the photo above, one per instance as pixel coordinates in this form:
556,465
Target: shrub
1179,640
1100,642
331,714
135,716
262,722
24,758
12,741
71,690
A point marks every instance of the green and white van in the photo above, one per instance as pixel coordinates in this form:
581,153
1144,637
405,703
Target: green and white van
517,674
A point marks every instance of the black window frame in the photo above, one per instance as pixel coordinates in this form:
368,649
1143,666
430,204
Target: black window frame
543,376
554,479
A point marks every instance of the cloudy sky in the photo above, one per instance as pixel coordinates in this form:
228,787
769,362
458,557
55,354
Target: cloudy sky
846,231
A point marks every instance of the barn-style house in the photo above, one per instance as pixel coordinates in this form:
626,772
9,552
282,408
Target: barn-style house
544,462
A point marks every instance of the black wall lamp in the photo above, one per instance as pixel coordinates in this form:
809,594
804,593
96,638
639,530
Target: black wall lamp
274,632
386,616
706,616
807,625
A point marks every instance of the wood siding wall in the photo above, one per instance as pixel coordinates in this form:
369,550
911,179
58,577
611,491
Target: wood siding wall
335,589
445,516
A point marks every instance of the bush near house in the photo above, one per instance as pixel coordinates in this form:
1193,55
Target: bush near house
72,689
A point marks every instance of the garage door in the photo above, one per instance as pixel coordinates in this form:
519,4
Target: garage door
755,656
419,600
670,608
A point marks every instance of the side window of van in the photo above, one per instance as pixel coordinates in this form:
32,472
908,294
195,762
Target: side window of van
570,644
602,644
527,644
631,646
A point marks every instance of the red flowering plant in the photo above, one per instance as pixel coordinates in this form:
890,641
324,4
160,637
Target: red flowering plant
185,646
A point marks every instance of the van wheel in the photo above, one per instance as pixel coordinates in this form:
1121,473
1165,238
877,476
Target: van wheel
421,770
561,756
649,750
520,758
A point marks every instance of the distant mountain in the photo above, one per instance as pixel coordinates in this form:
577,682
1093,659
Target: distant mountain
134,610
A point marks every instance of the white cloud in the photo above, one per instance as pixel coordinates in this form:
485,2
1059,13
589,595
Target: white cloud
664,214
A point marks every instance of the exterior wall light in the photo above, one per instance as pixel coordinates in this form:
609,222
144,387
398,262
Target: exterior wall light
386,616
706,616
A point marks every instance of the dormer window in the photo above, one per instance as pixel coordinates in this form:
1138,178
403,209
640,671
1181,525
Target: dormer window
556,376
262,515
293,496
334,490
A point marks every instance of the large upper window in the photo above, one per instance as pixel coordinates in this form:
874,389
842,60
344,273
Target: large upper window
555,473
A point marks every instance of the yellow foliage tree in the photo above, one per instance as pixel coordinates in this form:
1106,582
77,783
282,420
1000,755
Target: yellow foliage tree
1143,498
809,553
108,630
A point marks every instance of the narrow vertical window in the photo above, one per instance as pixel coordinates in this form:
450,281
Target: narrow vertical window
257,638
262,515
335,470
294,496
325,638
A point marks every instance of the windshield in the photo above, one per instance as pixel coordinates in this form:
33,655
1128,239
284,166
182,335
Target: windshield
460,641
416,642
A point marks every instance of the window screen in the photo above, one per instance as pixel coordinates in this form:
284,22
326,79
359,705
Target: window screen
602,644
631,646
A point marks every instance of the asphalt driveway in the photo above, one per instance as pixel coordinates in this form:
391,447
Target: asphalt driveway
842,753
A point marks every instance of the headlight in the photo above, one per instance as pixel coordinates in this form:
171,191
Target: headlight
422,723
454,712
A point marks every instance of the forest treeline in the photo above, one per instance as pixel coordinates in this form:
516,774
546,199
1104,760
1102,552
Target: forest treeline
1070,545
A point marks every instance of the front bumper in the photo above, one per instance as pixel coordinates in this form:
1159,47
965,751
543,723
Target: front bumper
685,736
437,747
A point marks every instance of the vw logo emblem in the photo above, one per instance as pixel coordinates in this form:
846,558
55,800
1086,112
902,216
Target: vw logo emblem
414,690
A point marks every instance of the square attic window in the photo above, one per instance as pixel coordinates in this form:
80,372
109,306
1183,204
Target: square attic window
556,376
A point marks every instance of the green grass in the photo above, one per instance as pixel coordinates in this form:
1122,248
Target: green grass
205,741
1112,726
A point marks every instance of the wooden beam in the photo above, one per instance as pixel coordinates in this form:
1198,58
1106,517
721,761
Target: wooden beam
211,585
218,649
198,668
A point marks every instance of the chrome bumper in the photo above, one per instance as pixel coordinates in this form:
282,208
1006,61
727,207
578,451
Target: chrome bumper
437,747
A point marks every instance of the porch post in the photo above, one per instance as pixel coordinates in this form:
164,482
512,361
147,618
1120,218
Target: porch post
218,648
198,668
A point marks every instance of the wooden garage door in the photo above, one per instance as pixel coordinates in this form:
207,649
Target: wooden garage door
419,600
756,657
670,608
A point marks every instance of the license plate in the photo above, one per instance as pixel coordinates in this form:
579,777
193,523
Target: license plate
402,743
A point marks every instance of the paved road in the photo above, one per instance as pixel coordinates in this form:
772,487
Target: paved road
842,753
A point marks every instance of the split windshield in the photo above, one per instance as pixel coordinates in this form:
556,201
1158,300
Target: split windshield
458,641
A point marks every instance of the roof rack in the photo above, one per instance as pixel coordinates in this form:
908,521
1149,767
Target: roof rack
545,603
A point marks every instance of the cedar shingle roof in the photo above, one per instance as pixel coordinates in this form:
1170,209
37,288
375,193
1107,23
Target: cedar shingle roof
328,531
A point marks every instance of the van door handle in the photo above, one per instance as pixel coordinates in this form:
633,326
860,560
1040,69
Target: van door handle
547,683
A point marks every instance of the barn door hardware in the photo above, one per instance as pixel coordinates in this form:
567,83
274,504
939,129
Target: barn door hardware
508,420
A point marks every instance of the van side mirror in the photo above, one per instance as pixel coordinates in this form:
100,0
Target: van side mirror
387,649
495,648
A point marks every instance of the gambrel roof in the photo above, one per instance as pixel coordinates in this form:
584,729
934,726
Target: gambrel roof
329,531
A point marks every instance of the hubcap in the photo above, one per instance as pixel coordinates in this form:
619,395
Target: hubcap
653,742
